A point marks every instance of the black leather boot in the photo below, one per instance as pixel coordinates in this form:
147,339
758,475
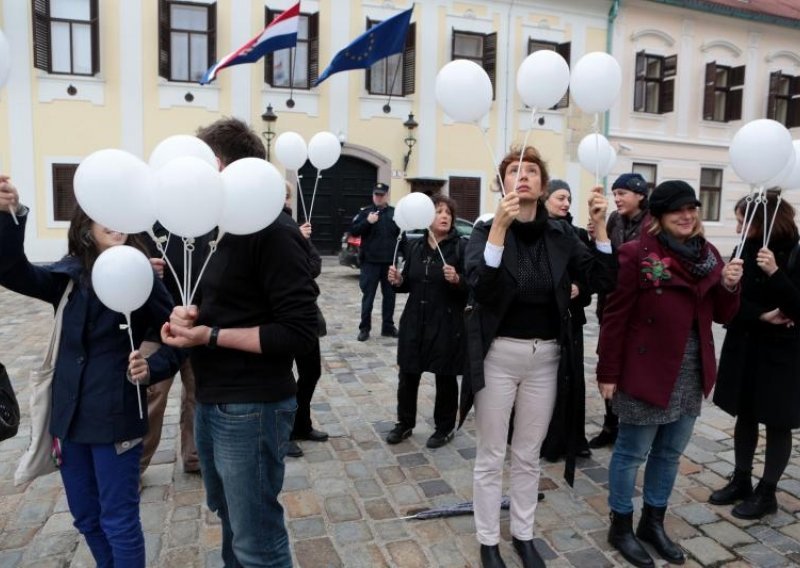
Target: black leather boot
606,437
651,531
621,537
739,487
761,502
528,553
490,557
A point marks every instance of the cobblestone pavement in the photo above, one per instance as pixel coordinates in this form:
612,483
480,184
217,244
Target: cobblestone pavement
346,498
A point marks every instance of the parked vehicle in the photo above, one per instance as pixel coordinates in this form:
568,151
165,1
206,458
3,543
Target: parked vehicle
348,255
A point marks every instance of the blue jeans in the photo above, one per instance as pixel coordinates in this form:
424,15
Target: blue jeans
373,274
662,446
241,448
102,490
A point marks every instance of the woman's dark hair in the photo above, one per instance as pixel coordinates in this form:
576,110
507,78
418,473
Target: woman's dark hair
451,205
80,242
784,229
530,154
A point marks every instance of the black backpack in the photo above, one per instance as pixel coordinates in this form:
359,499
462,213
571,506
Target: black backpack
9,407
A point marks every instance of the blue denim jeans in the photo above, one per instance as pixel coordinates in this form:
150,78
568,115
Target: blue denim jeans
102,490
661,445
241,448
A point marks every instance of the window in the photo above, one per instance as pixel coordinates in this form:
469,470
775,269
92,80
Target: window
648,171
63,192
296,67
722,100
480,48
564,50
394,75
783,103
466,192
654,90
710,193
187,39
66,37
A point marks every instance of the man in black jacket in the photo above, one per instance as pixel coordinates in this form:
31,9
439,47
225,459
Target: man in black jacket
257,312
375,225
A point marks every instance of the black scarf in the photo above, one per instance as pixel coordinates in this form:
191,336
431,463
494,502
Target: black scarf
695,255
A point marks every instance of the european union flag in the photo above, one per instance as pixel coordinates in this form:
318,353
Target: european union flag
378,42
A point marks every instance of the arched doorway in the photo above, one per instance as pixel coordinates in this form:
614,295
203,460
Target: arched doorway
342,191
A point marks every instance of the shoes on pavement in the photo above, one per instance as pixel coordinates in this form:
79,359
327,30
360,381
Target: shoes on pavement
389,332
604,438
398,434
312,436
294,451
363,335
439,438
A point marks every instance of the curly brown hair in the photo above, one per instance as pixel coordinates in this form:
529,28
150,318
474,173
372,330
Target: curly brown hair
530,154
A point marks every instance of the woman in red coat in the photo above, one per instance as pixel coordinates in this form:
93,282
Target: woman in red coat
656,359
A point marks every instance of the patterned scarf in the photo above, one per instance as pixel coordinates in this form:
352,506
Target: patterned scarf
694,255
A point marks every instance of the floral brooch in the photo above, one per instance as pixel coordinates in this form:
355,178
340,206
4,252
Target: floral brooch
656,270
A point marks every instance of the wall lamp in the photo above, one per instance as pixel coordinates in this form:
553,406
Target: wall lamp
410,140
269,134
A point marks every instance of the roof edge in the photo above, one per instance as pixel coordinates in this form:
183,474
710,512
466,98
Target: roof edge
730,11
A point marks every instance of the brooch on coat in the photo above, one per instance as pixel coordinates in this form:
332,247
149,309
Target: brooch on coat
656,269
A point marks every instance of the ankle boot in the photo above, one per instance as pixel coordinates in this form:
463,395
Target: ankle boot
739,487
527,553
761,502
621,537
490,557
606,437
651,530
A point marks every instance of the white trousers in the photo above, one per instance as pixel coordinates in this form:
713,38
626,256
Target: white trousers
519,373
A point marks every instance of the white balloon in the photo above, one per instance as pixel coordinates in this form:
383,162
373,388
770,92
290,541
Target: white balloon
542,79
5,59
792,180
611,161
760,150
324,150
596,81
399,218
189,196
115,189
464,90
291,150
780,179
417,211
122,278
485,218
179,146
254,193
595,154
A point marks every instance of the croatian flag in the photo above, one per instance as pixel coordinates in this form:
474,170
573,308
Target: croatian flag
280,33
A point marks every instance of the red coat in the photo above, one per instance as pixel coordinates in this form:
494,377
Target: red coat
648,317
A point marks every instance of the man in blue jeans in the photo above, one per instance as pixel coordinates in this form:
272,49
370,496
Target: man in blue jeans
257,311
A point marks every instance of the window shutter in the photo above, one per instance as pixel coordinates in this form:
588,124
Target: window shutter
490,58
453,33
709,91
63,191
670,67
639,83
734,108
268,59
410,60
465,191
41,35
95,31
212,35
313,49
737,77
772,106
793,112
164,43
666,97
565,51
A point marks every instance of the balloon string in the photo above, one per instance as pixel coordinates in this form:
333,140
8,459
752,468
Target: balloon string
213,246
494,161
743,235
163,250
300,194
396,248
774,215
522,150
133,348
185,273
596,127
313,197
749,216
13,217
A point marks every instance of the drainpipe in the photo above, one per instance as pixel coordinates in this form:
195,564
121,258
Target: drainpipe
612,16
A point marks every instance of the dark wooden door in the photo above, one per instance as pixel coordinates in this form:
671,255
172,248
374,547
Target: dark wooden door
342,191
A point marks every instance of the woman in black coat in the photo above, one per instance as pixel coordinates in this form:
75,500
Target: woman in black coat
432,325
759,369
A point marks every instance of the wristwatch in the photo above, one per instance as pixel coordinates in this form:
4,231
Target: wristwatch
212,339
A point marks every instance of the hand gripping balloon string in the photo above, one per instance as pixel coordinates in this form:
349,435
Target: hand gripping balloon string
162,249
396,248
774,214
313,197
300,195
213,246
494,161
133,348
522,150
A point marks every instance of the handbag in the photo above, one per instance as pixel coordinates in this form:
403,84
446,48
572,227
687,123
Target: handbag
37,459
9,407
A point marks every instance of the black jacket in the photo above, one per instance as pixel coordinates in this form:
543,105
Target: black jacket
759,368
378,240
493,292
432,325
263,279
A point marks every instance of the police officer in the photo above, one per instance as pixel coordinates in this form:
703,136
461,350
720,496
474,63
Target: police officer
375,225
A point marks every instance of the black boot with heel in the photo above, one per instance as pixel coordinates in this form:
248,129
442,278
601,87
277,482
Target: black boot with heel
739,487
490,557
621,537
651,530
761,502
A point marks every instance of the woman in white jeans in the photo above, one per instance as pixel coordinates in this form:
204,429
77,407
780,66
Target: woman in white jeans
519,334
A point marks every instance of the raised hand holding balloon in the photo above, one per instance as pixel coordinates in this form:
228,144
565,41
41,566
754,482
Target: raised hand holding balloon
292,153
122,278
323,152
